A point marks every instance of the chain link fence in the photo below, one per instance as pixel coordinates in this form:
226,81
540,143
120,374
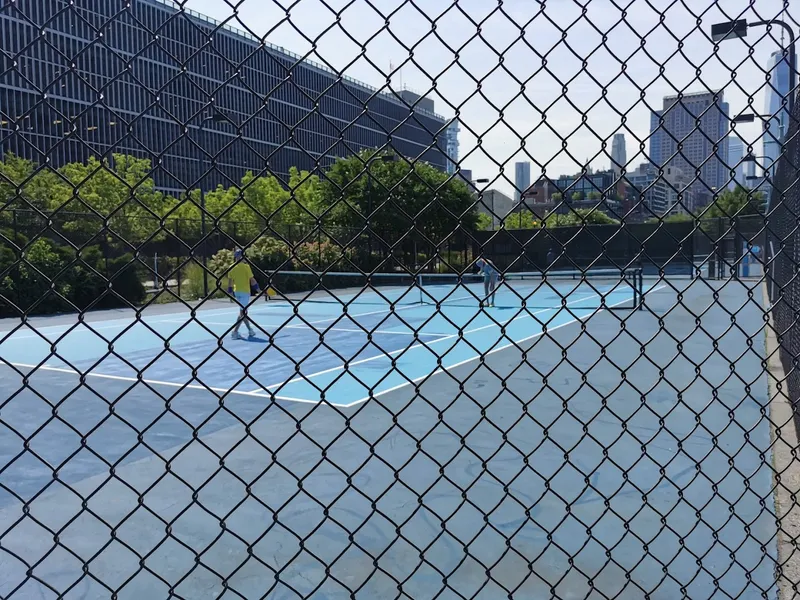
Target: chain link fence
275,325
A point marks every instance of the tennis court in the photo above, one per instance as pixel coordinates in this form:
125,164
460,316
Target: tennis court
596,409
632,423
337,345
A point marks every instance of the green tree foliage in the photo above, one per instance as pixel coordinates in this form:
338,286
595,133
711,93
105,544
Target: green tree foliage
123,195
395,196
676,218
50,279
740,202
522,220
483,222
579,217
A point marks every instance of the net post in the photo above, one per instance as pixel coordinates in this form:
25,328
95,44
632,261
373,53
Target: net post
418,279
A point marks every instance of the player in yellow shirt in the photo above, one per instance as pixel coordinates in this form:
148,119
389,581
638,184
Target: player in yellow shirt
240,282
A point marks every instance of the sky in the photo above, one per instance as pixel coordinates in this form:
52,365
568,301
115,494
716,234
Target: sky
542,81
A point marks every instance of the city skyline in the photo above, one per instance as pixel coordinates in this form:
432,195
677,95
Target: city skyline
469,84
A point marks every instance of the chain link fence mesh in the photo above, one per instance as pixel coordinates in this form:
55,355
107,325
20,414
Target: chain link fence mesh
264,335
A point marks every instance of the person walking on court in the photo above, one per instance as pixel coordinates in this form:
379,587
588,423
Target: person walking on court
240,282
490,276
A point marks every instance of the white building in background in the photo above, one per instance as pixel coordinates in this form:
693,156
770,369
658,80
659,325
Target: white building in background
522,179
735,156
452,145
619,154
776,126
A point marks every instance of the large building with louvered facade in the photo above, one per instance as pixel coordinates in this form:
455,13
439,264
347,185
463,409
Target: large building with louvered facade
146,77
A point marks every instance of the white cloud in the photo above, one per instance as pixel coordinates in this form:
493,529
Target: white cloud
554,71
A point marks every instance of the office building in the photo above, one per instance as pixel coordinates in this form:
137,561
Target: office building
154,85
451,145
619,155
587,189
662,191
522,179
735,156
777,124
698,121
640,187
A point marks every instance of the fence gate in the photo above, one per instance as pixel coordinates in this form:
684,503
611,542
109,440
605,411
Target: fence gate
396,299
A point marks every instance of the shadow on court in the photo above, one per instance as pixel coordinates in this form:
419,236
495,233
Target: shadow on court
579,451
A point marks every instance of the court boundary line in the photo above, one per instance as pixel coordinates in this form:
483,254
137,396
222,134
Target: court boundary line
386,355
156,382
441,370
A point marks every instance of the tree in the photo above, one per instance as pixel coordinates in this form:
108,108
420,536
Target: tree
557,197
522,220
577,196
594,195
395,196
581,216
484,222
123,196
676,218
740,202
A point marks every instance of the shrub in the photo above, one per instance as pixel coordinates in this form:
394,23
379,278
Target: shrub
324,256
51,280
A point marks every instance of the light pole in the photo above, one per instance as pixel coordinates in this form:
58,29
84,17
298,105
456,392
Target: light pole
738,29
217,117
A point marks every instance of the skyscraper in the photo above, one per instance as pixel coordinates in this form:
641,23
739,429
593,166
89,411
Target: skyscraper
735,155
776,126
451,145
522,179
698,121
619,155
656,135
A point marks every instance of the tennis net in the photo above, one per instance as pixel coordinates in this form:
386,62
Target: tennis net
594,288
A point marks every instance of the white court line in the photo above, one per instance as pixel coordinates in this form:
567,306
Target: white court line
425,345
498,349
155,382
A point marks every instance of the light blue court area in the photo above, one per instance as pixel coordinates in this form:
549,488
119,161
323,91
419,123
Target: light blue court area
352,346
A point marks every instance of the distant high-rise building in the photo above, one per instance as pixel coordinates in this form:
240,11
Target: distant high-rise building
619,155
656,143
777,125
452,145
522,179
697,121
735,156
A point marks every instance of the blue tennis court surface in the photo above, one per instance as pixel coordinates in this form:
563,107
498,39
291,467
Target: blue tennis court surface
312,351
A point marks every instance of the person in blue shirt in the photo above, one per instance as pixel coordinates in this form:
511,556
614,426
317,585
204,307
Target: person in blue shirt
490,277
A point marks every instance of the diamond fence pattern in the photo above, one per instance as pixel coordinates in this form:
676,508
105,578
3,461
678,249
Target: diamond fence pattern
343,408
